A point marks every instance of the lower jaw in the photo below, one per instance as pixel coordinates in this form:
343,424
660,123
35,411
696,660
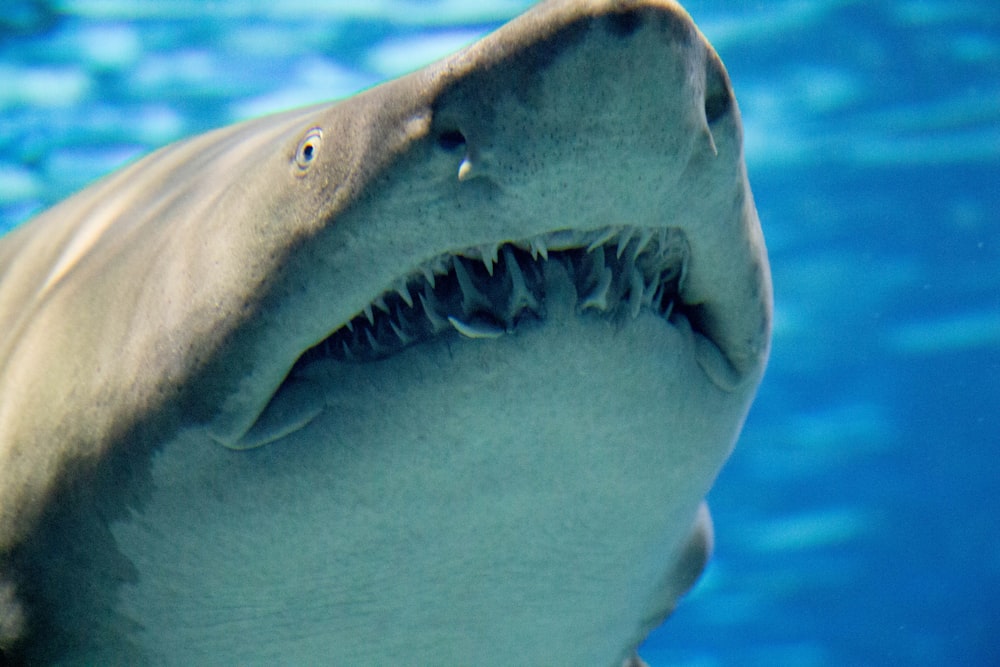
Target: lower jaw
501,501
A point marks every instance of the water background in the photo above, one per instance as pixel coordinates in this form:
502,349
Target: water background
857,523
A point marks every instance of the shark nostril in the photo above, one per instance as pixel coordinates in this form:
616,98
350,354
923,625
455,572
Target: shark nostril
451,140
716,105
718,97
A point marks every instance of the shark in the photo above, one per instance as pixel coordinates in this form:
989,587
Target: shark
440,373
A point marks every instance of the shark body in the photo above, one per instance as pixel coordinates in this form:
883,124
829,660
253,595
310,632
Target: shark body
437,374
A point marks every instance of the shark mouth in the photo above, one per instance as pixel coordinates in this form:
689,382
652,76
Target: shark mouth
488,291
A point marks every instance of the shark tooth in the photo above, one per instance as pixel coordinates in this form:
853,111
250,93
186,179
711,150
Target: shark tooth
623,241
642,242
402,335
598,297
605,236
636,291
430,306
404,292
428,274
472,298
489,254
476,329
539,249
373,342
520,296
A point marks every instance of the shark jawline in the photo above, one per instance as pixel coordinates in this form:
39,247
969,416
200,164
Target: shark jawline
490,290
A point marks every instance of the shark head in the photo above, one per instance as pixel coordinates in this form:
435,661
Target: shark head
482,336
606,136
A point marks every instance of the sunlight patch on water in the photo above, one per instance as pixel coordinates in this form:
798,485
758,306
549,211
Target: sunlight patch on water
397,56
17,182
182,68
111,46
964,331
832,436
810,530
77,166
935,13
956,130
976,47
46,87
420,12
762,21
157,124
428,12
313,80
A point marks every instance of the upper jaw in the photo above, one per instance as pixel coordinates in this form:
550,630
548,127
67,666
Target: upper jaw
487,291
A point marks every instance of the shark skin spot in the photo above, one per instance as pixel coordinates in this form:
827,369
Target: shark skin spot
437,374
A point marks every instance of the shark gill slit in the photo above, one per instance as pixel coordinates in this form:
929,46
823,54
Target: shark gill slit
488,291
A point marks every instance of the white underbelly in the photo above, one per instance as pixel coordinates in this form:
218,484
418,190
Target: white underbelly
508,501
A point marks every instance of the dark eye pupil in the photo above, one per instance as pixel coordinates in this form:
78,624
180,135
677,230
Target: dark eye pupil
308,149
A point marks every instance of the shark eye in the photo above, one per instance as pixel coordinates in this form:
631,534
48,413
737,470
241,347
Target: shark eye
308,148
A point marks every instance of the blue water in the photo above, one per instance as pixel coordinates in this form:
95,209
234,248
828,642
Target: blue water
857,523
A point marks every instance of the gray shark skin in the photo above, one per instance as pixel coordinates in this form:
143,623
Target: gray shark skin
438,374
